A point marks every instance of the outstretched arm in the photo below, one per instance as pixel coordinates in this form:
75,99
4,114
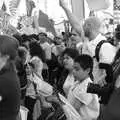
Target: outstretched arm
76,24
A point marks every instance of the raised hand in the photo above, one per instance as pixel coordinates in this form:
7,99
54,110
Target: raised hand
63,4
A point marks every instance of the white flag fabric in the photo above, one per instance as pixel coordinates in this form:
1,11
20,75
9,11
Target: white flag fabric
97,5
78,8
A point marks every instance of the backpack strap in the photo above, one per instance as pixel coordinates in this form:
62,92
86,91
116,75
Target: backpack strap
97,50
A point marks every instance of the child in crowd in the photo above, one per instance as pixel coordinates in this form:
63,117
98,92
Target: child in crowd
86,104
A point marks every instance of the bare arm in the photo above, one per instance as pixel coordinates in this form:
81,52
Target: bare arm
76,24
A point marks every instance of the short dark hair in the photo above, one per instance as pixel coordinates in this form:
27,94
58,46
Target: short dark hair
9,46
85,62
73,53
36,50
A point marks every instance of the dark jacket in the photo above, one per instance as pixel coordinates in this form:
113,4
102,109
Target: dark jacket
105,91
10,92
112,110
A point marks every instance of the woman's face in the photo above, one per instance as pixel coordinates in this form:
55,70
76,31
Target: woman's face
68,62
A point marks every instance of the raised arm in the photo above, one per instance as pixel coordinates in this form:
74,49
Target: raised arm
76,24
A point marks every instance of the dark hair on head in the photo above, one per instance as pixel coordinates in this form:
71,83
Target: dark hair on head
36,50
25,38
22,51
18,37
85,62
73,53
42,34
117,28
9,46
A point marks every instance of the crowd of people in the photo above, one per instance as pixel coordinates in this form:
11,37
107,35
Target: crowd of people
70,77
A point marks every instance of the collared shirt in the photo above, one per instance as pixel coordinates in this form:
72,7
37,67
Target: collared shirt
90,104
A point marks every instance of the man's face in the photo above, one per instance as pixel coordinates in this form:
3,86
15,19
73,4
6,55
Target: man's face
78,72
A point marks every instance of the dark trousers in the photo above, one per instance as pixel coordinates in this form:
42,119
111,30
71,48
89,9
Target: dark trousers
29,103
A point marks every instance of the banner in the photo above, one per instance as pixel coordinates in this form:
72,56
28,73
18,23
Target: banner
78,8
96,5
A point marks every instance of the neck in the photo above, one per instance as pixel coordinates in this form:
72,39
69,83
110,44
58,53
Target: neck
82,79
93,36
71,71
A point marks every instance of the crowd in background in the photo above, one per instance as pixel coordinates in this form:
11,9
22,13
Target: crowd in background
66,77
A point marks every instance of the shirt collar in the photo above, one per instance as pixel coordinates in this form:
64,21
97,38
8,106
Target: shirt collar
98,39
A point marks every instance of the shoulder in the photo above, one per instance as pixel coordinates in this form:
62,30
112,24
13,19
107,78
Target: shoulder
107,45
82,87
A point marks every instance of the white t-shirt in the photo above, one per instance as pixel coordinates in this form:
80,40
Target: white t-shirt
90,103
69,82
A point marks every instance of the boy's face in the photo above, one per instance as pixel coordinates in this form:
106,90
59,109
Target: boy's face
79,73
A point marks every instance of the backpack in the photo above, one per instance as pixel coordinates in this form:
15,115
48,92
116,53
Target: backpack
115,64
97,49
112,72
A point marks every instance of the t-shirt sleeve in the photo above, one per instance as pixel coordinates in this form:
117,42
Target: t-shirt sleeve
83,96
107,53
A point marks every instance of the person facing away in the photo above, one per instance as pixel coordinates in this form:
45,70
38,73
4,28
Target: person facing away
9,82
86,104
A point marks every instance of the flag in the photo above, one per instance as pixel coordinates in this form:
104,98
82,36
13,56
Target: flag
96,5
45,22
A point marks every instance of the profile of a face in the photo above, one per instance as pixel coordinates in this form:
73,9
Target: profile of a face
68,62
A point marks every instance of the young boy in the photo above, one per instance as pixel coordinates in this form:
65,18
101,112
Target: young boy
86,104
